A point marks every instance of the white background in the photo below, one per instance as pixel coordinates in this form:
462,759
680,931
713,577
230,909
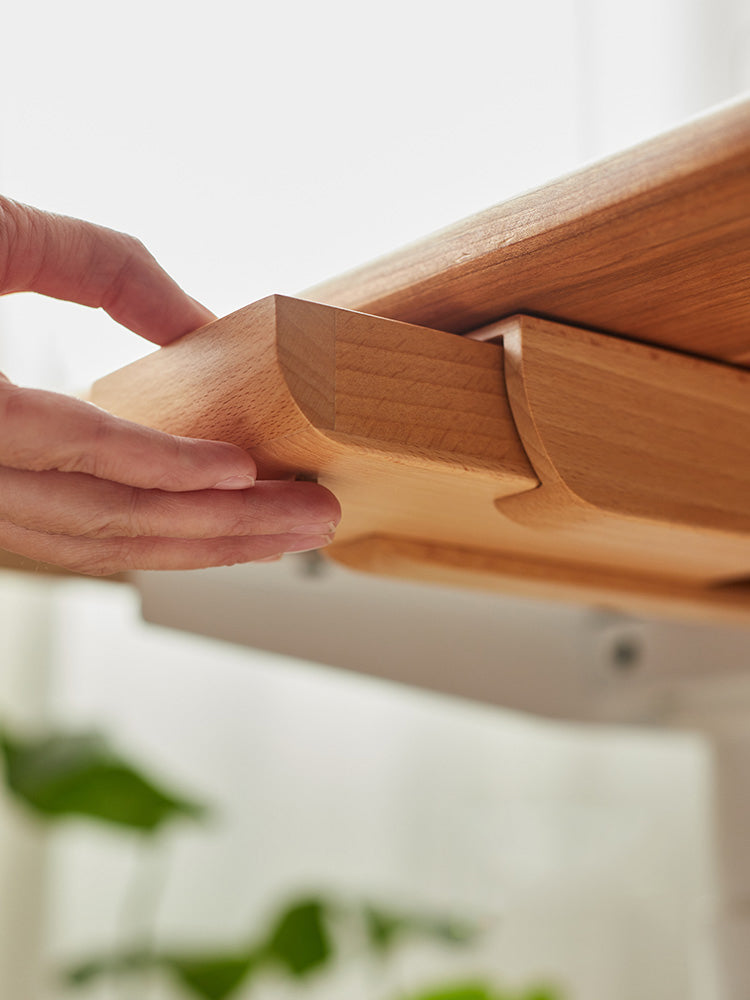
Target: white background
261,147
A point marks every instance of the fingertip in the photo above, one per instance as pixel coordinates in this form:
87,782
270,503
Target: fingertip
233,468
190,316
321,504
328,504
235,483
202,311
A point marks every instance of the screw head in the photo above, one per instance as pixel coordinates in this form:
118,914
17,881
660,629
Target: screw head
626,652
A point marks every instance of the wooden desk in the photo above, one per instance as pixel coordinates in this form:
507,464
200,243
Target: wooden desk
539,456
652,244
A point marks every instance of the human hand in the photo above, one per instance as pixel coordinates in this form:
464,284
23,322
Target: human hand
96,494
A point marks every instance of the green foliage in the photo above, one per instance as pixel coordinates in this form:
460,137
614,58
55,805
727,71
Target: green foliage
80,774
483,991
213,977
125,964
386,929
210,976
300,941
462,991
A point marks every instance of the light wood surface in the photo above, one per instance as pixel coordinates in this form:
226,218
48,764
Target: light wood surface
566,461
653,244
642,453
535,453
611,588
407,426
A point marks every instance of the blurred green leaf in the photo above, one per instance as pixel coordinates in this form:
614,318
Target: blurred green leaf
481,991
213,977
79,774
210,976
300,941
461,991
123,964
386,929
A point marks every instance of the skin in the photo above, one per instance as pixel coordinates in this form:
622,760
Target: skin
82,489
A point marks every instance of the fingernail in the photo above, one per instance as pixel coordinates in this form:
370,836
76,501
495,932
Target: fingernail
235,483
270,558
323,528
309,543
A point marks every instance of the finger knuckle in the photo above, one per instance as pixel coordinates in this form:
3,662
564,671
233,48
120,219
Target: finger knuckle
154,512
133,259
17,412
241,524
101,527
99,560
9,234
90,459
235,553
135,248
115,517
132,512
97,569
15,404
177,458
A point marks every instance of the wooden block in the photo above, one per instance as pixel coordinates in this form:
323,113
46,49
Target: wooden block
563,460
642,453
649,596
408,427
652,244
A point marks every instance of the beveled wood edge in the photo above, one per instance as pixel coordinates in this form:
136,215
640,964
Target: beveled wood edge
296,387
635,370
509,575
428,281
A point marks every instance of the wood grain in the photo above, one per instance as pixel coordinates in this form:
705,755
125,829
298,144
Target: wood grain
614,465
647,596
652,244
407,426
634,432
641,453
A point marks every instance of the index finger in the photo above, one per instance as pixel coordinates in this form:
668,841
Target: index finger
42,430
95,266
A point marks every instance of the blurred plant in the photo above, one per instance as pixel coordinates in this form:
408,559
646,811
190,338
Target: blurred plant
79,774
62,776
298,942
481,991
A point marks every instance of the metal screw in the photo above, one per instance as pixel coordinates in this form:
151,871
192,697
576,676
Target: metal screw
313,564
626,652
